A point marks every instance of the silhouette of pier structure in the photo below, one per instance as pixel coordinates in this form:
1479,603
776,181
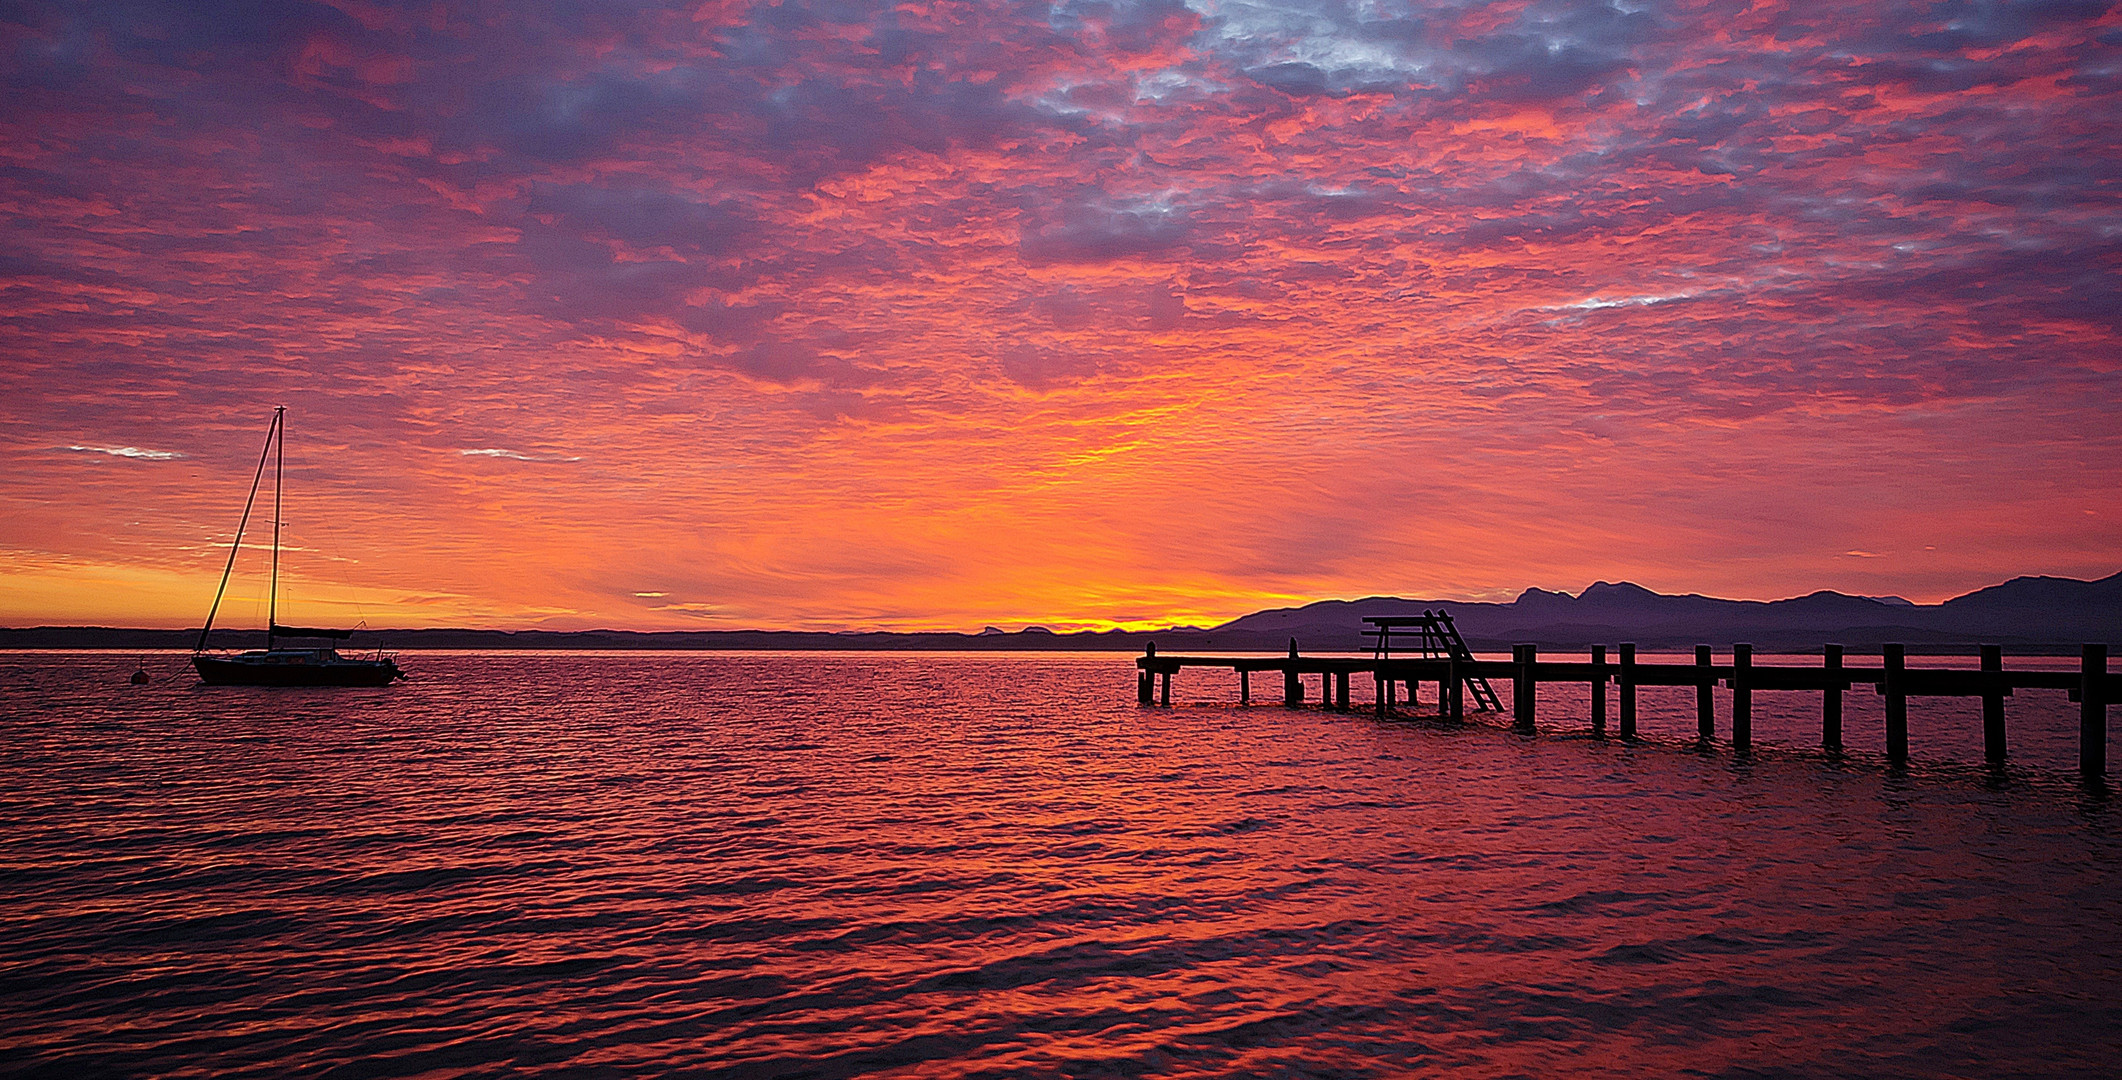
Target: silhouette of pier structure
1433,652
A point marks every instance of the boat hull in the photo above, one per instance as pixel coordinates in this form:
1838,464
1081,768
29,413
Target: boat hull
236,671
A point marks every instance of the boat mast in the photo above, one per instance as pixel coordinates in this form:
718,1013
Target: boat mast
270,432
272,603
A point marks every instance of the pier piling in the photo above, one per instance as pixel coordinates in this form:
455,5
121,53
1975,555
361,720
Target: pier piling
1456,692
1292,688
1599,690
2092,712
1628,689
1705,695
1742,697
1993,707
1525,690
1894,684
1831,700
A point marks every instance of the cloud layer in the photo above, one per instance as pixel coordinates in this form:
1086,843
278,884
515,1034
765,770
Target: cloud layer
1086,313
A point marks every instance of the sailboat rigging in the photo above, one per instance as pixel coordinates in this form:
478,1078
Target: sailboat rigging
274,666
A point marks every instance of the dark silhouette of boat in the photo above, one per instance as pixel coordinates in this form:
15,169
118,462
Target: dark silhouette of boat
272,665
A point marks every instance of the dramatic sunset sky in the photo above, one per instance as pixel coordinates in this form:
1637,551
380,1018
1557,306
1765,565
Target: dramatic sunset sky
935,315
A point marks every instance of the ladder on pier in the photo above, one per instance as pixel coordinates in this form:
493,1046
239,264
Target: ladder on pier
1438,638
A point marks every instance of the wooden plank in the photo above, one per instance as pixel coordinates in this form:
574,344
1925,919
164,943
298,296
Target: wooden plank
1940,682
1677,674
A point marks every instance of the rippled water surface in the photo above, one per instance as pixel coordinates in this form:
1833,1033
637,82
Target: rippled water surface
972,865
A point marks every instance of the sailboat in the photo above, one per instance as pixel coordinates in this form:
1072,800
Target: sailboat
273,665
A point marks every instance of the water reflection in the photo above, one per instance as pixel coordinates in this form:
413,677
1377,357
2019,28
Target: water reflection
962,865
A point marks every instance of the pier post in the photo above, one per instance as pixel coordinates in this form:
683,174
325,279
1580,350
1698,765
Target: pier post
1896,687
1341,691
1831,699
1378,678
1145,682
1742,697
1326,690
1456,692
1705,695
1628,689
1993,708
1167,692
2092,712
1292,687
1524,693
1245,686
1599,690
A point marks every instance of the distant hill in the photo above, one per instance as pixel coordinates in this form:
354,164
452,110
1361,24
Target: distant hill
2036,613
2024,611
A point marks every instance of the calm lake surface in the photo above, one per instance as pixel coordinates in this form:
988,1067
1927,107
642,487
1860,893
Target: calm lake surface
836,865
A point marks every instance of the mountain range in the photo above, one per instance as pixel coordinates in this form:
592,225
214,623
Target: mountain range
2028,613
2045,611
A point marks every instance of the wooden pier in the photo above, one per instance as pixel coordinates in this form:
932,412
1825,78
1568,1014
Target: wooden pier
1454,672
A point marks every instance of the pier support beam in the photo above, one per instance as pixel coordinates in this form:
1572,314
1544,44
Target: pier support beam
1705,695
1993,708
1144,686
1742,697
1166,694
1526,690
1896,689
1628,689
1831,701
2092,712
1341,691
1245,687
1599,690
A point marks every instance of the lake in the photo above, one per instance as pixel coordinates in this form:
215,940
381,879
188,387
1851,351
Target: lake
946,865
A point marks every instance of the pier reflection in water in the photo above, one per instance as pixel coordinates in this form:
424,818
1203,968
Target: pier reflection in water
960,865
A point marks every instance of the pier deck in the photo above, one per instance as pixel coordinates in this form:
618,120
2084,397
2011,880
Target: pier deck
2092,686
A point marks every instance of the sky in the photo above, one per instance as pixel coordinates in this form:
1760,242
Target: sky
940,315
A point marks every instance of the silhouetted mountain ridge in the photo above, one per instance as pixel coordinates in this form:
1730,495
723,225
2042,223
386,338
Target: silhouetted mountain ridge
2026,610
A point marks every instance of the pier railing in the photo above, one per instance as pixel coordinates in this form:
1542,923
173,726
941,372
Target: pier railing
2091,686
